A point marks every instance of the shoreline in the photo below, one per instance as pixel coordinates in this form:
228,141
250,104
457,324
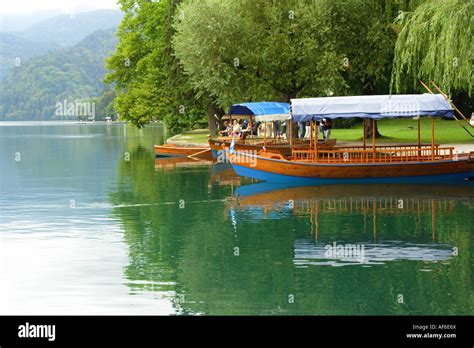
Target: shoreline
194,138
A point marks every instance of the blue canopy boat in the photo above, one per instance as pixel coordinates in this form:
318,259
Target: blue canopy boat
256,112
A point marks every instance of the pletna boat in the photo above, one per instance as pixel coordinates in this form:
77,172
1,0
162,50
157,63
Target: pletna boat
266,113
384,163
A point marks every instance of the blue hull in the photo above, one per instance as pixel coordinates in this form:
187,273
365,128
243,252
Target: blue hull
267,176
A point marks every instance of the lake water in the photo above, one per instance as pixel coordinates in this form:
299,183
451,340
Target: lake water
92,223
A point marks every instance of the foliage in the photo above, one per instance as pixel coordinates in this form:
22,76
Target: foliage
263,50
435,43
148,81
104,104
207,54
13,46
249,50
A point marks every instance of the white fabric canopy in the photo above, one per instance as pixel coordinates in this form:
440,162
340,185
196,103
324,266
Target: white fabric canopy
275,117
371,106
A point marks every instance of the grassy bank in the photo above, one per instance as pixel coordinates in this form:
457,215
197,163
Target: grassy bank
395,130
198,136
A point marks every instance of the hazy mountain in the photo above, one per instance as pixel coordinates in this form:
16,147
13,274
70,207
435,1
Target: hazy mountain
67,30
14,48
51,33
17,22
32,90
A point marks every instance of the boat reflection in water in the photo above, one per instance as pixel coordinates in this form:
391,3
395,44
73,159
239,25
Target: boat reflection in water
357,224
167,163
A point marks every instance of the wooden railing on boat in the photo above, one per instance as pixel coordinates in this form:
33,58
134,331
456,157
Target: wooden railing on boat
259,141
379,154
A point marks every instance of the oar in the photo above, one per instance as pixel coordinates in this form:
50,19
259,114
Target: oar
427,88
452,104
198,153
454,107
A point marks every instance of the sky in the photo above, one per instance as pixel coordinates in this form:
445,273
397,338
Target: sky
29,6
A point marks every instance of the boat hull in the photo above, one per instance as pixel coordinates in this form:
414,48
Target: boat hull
280,170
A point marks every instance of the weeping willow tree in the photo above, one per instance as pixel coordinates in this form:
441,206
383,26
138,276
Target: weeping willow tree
435,43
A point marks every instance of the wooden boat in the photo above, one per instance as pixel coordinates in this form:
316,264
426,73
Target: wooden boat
264,112
387,163
202,152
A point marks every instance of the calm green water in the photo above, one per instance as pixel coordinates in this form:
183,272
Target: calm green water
90,223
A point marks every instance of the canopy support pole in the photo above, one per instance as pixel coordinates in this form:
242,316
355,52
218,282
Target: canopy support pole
311,134
291,130
432,137
364,125
250,127
316,142
265,134
373,140
419,137
364,132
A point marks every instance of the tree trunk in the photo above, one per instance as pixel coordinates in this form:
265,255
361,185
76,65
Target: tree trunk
211,119
368,129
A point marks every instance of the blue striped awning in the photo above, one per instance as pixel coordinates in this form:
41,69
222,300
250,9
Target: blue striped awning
263,111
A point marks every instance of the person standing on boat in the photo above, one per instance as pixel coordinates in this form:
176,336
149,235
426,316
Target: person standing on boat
326,126
276,129
284,130
244,130
302,126
308,130
255,128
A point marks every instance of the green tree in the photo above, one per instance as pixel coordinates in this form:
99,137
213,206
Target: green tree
148,81
273,50
256,50
435,43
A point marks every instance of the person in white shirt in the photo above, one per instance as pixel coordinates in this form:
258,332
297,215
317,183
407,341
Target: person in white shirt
236,128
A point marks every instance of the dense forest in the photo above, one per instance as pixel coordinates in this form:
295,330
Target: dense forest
73,73
180,60
13,46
